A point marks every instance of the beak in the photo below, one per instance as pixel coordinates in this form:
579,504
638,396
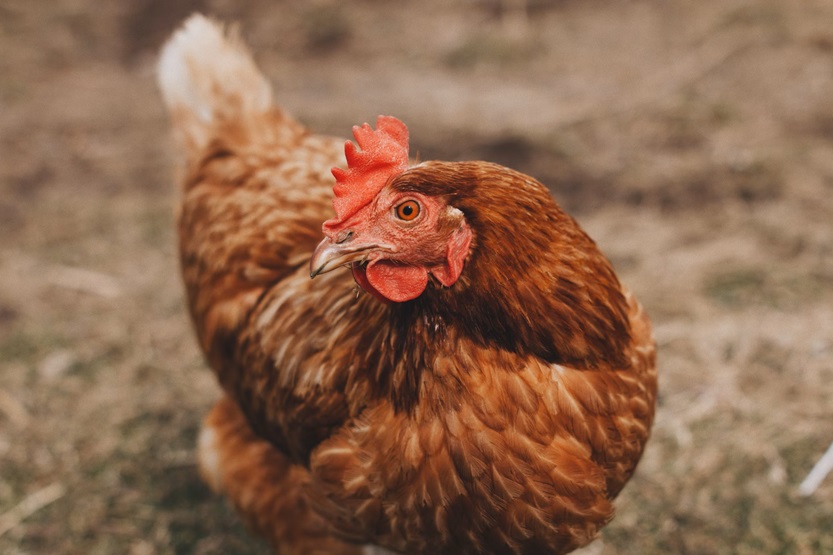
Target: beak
329,255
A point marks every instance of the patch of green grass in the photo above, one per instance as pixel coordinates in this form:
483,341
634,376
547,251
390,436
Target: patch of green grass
736,288
766,14
785,289
489,49
326,28
12,90
26,346
727,505
723,113
158,226
745,287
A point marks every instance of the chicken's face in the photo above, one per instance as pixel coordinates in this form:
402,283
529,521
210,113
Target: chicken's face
395,242
392,237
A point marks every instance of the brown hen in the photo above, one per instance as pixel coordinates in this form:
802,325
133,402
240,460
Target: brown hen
480,382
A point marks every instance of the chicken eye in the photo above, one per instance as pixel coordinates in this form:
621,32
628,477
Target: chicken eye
408,210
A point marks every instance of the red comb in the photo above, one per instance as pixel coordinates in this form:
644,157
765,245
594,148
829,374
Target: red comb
383,154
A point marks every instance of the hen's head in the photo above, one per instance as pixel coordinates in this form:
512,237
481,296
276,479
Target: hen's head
394,237
508,266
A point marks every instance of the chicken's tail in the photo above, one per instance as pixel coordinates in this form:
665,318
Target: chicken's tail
208,76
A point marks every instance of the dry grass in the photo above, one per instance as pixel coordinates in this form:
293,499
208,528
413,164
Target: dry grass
693,140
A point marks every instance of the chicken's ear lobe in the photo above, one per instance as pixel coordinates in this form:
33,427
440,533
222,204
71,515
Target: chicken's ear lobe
456,253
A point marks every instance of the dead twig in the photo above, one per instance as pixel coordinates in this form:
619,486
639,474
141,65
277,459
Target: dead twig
817,474
30,505
87,281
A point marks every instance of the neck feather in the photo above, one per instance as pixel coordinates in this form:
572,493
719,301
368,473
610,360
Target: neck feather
534,282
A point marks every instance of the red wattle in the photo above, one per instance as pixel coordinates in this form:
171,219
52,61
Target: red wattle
391,282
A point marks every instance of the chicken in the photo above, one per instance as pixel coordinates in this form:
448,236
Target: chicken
464,374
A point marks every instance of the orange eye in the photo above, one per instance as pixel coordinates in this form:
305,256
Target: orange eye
408,210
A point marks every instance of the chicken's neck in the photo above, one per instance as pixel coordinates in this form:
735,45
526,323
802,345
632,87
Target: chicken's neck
547,292
563,307
555,317
533,284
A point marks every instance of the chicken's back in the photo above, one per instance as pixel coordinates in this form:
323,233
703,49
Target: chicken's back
256,184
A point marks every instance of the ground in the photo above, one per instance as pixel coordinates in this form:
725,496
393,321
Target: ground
693,140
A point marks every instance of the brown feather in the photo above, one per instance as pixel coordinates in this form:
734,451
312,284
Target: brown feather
500,415
264,486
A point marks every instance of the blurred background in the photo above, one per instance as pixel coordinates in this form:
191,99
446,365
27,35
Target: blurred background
693,140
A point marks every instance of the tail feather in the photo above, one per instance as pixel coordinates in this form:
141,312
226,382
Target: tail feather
207,76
